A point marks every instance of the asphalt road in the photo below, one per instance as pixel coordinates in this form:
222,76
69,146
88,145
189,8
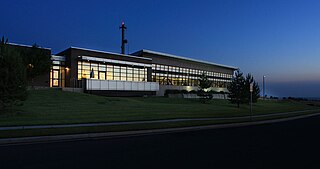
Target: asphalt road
292,144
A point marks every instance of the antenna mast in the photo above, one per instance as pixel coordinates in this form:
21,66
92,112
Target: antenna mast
123,40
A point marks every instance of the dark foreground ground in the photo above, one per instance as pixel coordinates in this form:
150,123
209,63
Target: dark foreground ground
292,144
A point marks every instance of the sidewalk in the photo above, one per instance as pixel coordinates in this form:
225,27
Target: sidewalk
146,122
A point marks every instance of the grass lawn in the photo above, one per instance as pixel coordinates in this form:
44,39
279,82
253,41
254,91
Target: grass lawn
57,107
127,127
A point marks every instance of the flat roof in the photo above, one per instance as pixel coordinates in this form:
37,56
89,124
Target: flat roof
58,58
118,54
184,58
114,61
29,46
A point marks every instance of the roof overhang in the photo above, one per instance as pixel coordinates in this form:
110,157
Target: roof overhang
104,60
110,53
184,58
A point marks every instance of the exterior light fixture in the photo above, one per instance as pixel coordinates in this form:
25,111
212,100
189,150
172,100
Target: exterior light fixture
30,66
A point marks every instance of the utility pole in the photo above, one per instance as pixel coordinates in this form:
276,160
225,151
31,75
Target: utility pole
251,90
264,87
123,40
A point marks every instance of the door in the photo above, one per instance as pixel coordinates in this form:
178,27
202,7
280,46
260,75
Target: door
55,78
102,75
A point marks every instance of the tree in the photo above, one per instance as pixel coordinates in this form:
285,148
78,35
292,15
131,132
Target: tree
256,90
36,61
12,75
236,88
239,89
204,83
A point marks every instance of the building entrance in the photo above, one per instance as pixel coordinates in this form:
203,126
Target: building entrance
55,78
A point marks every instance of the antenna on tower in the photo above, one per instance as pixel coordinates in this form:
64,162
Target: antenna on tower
123,40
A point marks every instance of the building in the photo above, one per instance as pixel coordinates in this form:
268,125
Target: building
103,73
144,72
181,73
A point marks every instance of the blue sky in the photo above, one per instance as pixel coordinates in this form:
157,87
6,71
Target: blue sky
276,38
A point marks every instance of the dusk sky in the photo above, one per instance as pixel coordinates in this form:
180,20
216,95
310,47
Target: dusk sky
276,38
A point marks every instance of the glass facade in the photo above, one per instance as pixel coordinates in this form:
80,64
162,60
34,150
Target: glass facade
106,71
163,74
173,75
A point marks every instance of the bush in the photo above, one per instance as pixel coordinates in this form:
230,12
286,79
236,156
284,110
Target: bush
214,92
174,91
193,92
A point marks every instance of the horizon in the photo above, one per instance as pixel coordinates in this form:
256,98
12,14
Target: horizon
278,39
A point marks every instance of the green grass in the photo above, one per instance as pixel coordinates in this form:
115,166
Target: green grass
129,127
57,107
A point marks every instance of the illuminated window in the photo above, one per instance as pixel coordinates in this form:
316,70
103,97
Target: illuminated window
123,73
129,74
109,72
109,75
102,67
102,75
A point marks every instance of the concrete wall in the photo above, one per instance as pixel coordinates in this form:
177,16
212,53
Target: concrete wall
41,80
117,85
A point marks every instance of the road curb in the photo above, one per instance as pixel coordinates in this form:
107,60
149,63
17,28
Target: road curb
74,137
147,121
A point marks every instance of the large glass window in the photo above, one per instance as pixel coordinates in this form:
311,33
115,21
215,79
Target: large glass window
105,71
135,74
174,75
86,70
102,67
129,74
123,73
109,72
116,72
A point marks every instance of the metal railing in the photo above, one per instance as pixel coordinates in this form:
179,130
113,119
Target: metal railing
75,83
